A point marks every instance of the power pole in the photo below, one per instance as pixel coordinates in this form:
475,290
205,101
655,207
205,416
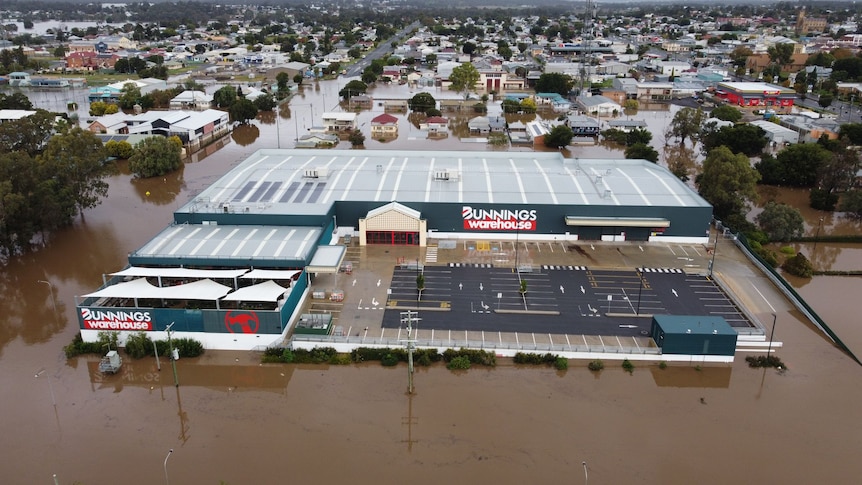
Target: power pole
587,36
409,317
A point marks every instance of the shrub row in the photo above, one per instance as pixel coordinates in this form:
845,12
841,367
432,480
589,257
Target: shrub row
423,357
319,355
764,361
560,363
138,345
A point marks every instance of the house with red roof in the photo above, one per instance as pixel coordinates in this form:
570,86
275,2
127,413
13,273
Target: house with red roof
384,126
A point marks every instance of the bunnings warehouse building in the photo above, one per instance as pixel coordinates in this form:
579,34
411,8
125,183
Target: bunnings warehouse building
234,265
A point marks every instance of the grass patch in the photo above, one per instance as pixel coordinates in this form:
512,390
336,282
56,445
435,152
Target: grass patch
765,361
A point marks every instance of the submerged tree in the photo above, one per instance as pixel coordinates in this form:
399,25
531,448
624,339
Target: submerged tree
78,160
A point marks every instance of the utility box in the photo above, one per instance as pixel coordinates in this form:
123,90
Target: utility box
693,335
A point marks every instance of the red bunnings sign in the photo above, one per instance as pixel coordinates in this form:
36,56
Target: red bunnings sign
498,219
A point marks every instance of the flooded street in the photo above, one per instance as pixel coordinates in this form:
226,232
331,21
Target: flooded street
236,421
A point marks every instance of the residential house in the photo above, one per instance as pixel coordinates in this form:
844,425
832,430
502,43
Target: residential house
810,130
583,125
110,124
384,126
339,122
317,140
195,129
400,105
536,131
192,100
598,105
436,126
627,125
14,114
653,91
487,124
362,101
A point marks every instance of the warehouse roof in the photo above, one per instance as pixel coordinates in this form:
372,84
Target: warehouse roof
301,182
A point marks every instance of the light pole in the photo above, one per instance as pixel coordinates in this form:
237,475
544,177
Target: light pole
171,350
714,251
50,386
167,482
817,235
769,349
586,476
53,300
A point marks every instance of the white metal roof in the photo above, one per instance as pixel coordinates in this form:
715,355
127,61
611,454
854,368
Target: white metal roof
180,272
268,291
300,182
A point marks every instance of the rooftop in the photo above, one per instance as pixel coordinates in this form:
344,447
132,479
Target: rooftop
301,182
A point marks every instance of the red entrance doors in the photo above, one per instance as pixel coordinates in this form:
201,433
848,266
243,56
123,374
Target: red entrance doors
392,237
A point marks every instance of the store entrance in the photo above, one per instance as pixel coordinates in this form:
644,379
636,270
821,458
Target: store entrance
395,238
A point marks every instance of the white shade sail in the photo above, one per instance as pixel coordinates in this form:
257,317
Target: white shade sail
270,274
205,289
268,291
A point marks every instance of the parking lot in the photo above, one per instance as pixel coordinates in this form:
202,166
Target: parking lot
560,299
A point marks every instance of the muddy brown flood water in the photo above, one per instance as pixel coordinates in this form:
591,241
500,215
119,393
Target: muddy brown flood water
235,420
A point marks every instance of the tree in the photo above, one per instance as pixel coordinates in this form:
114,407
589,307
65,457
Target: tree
119,149
681,161
77,158
422,102
353,88
726,112
281,80
642,151
851,203
224,97
242,110
745,138
852,131
264,102
510,106
825,100
798,265
155,156
687,123
464,79
101,108
781,54
554,82
28,135
780,222
468,48
297,79
727,182
15,101
528,105
559,137
129,96
638,135
795,166
356,138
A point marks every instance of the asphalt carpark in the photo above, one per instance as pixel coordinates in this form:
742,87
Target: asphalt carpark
479,297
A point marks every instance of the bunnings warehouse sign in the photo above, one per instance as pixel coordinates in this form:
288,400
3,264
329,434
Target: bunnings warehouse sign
116,320
477,219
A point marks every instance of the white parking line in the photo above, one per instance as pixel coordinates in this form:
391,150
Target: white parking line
671,250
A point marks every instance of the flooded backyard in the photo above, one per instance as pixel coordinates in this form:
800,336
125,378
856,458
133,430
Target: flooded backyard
234,420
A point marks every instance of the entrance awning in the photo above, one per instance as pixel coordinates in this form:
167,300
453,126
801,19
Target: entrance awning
327,259
616,221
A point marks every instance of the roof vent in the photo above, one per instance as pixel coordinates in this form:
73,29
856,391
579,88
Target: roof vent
380,169
314,173
446,175
607,193
608,172
598,179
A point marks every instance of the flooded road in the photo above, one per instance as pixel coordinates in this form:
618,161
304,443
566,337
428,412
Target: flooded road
235,420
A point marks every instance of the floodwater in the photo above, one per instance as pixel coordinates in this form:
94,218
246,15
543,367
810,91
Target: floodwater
234,420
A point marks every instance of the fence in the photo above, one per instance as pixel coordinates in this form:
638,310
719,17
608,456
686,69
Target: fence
790,293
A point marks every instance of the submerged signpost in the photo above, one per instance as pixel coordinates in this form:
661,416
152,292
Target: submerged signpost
409,317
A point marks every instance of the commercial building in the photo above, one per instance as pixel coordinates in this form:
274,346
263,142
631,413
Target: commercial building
754,94
233,267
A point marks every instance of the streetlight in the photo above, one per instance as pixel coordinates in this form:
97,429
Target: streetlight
586,477
817,235
50,386
53,300
167,482
769,349
714,251
171,350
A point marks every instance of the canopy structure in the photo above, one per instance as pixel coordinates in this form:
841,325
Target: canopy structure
617,221
270,274
268,291
205,289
